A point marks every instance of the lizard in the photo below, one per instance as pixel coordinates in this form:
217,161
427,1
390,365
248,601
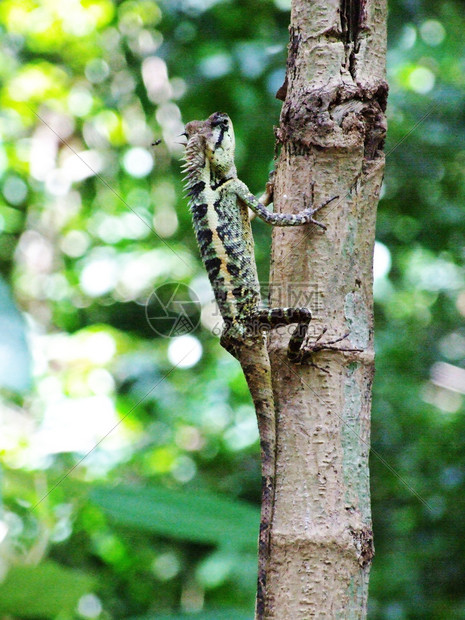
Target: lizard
219,204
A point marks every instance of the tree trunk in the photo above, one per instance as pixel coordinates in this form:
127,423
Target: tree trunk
331,134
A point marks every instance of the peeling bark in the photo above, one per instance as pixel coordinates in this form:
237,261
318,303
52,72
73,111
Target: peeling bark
331,134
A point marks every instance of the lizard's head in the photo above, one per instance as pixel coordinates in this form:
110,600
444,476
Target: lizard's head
219,142
215,137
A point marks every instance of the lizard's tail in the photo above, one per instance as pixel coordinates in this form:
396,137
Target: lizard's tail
256,366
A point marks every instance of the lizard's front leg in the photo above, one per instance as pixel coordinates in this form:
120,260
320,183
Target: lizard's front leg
305,353
267,197
276,219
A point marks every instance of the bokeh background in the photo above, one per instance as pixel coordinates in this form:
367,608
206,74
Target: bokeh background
129,456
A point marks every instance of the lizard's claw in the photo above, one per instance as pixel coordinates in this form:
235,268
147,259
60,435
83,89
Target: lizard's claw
313,211
325,203
314,347
317,223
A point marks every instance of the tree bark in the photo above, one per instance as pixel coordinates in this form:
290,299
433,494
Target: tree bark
331,134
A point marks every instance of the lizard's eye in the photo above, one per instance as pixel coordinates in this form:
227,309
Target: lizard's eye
223,123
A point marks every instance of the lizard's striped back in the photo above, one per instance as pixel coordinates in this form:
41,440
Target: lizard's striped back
225,241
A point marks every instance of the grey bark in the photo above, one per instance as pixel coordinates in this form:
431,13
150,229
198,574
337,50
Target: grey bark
331,135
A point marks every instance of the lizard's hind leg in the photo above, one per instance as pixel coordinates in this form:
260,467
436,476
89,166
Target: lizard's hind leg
279,317
304,355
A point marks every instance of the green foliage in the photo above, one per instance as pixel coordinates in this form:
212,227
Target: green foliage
45,591
199,517
130,489
216,614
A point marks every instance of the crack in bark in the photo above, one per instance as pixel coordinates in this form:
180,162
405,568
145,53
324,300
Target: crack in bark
350,20
293,48
353,15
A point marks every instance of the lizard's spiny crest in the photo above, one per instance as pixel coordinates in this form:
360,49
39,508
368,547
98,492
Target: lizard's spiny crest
195,153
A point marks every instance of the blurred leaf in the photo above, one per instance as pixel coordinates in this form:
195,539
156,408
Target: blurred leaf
197,516
217,614
42,591
15,362
227,565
